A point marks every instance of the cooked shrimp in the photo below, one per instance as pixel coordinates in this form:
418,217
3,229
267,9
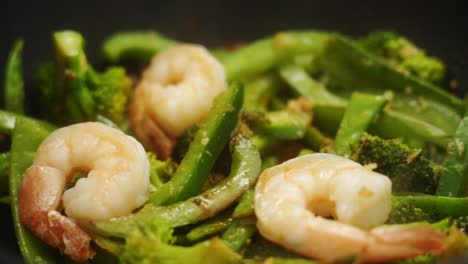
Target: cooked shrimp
294,200
117,183
176,92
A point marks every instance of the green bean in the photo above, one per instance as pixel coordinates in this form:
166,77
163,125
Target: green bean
352,67
208,229
238,234
208,143
14,86
315,91
264,54
245,168
245,207
316,140
454,181
4,172
26,137
136,46
361,111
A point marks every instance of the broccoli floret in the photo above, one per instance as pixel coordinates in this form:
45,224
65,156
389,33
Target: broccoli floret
404,55
406,167
152,243
72,91
160,171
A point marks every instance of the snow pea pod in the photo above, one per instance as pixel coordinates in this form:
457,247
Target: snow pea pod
7,121
315,91
361,111
329,111
245,169
349,65
454,180
14,86
208,143
264,54
26,137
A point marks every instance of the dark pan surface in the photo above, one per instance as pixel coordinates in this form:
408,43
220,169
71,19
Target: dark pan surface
441,27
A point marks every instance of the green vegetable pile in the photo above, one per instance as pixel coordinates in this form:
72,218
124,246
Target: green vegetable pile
377,100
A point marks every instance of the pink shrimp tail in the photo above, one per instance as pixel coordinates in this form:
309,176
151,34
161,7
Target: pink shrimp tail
60,232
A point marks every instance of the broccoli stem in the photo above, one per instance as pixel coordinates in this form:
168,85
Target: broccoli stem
454,180
361,111
14,86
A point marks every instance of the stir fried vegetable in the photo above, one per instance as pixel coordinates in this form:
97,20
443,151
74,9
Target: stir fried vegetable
255,179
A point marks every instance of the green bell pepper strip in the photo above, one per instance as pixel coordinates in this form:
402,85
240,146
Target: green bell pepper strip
283,124
14,85
208,143
361,111
245,169
4,172
245,207
135,46
7,121
259,91
208,229
264,54
26,137
316,139
237,235
454,180
347,63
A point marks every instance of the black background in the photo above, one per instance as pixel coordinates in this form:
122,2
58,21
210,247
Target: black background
441,27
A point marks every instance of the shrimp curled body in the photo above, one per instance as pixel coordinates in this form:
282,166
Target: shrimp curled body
176,92
293,201
117,183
